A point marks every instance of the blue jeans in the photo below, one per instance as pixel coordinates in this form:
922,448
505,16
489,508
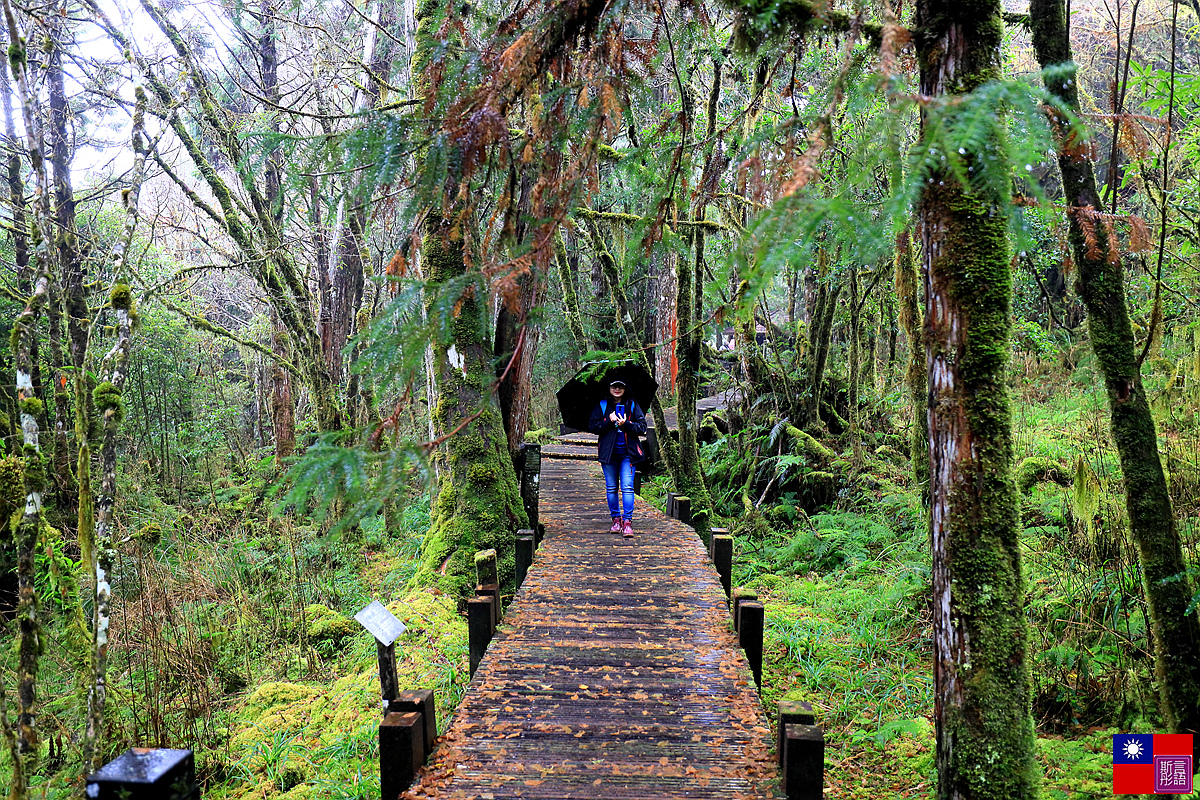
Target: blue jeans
610,484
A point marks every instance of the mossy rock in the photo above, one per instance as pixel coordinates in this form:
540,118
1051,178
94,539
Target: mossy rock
327,627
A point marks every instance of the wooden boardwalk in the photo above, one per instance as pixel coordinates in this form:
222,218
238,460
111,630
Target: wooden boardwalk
615,673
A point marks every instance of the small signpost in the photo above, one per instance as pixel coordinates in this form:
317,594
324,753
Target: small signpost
386,629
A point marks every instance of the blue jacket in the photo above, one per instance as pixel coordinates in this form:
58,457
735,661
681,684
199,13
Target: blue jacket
600,424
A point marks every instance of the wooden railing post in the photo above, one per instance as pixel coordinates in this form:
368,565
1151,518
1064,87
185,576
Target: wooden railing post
669,505
531,478
750,635
480,625
792,712
740,595
803,762
401,752
144,773
722,555
419,701
683,509
525,548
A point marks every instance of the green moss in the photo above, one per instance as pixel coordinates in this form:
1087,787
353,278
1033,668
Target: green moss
16,54
271,696
107,397
32,406
1034,470
121,297
327,629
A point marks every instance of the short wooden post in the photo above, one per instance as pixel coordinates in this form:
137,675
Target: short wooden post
389,685
401,752
480,624
715,532
531,477
492,590
803,762
637,481
683,509
541,534
741,594
750,635
792,712
146,774
669,506
651,446
722,554
525,548
485,567
420,701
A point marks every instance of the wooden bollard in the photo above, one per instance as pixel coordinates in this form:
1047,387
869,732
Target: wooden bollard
651,445
531,478
419,701
669,505
803,762
492,590
637,481
683,509
541,534
750,635
792,712
722,554
401,752
485,567
480,625
715,532
525,548
146,774
741,594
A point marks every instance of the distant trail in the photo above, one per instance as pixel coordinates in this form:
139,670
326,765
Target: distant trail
615,673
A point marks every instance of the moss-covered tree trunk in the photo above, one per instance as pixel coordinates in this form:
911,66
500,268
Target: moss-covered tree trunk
853,389
478,505
985,741
570,294
25,738
1151,519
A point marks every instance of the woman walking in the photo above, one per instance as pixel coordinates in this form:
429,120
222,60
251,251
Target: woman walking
618,421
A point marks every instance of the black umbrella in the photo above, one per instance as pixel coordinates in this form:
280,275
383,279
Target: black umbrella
589,386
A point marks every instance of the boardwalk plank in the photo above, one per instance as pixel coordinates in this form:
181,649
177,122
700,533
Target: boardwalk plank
614,675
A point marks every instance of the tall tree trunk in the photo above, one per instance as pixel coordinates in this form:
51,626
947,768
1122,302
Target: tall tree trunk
478,506
101,550
74,291
31,406
852,391
985,742
1151,519
567,280
666,364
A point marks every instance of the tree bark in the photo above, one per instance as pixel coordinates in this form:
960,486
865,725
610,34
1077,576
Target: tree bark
31,406
985,741
1176,635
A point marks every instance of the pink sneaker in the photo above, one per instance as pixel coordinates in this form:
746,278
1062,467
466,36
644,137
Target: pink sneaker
616,526
627,529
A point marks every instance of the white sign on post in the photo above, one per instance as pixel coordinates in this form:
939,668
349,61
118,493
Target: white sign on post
382,623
